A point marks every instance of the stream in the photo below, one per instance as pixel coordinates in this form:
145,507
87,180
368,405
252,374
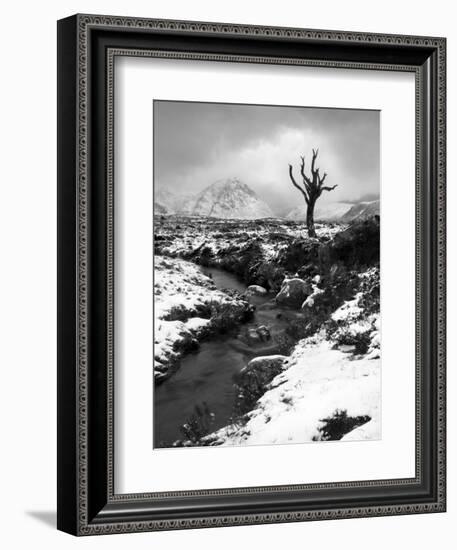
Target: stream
207,375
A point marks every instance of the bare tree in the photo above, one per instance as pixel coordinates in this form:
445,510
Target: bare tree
311,189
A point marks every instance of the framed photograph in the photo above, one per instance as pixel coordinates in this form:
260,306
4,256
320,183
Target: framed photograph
251,274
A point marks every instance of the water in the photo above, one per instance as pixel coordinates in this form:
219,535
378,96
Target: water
207,376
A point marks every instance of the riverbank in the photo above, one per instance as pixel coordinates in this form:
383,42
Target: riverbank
260,252
328,388
187,309
305,365
207,375
320,388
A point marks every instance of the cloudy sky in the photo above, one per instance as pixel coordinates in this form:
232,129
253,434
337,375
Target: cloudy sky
196,144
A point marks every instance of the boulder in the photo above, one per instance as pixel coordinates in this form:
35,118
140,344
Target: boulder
259,372
252,336
311,300
293,293
259,334
257,290
264,333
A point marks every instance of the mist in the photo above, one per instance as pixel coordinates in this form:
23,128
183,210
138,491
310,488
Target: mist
196,144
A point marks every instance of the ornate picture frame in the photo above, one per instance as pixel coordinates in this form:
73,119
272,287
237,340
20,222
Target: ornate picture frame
87,47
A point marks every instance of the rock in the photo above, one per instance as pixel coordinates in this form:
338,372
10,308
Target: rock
226,315
310,302
256,289
266,362
346,348
293,293
253,336
258,373
264,333
186,343
256,335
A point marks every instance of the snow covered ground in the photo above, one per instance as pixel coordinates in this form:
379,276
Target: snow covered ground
185,303
323,382
318,381
177,236
329,387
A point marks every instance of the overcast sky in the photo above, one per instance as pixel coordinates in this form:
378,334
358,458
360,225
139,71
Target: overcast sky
196,144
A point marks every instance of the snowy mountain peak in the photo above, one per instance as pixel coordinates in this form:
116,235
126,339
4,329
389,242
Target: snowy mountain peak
227,186
230,198
338,211
362,211
225,198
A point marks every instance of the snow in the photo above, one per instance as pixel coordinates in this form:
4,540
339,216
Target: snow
349,310
362,210
369,431
173,203
374,350
336,370
332,211
318,380
220,235
309,302
181,293
167,333
270,251
262,358
337,211
226,198
196,323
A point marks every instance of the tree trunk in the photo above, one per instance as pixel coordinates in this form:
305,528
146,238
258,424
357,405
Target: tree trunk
311,189
310,219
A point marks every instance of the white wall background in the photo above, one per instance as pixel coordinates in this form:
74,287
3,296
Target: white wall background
28,267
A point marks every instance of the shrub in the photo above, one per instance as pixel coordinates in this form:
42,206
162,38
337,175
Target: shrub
251,383
246,398
241,259
361,340
198,424
205,256
357,246
339,424
227,315
370,291
299,253
269,275
183,313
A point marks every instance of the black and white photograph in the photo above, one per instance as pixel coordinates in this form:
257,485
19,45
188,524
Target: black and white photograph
267,324
251,278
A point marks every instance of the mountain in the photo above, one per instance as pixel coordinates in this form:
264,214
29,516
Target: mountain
159,208
227,198
338,211
361,211
327,212
230,198
167,202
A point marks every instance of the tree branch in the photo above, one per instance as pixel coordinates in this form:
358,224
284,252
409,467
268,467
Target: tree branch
302,191
328,188
306,181
315,153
